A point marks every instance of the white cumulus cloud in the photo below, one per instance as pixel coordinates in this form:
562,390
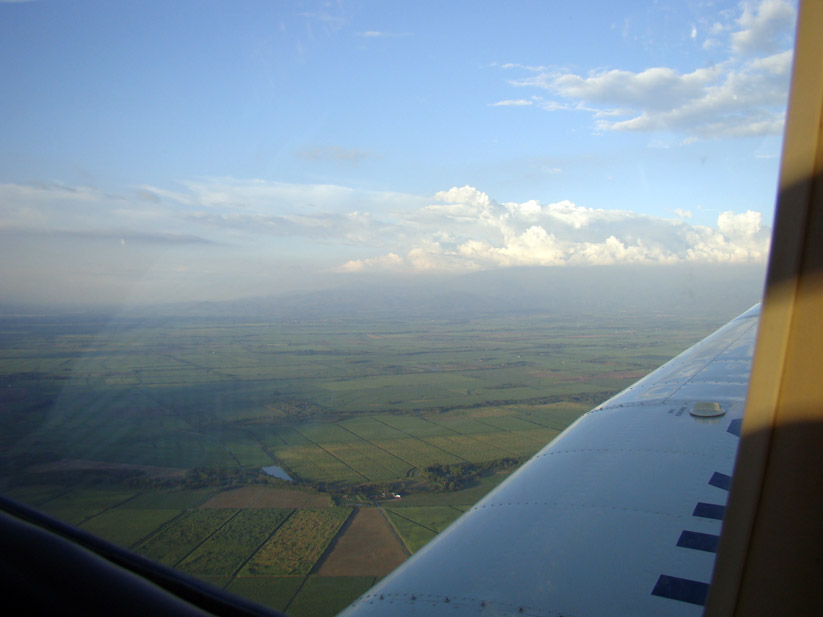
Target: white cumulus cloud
468,230
764,26
743,95
351,231
384,262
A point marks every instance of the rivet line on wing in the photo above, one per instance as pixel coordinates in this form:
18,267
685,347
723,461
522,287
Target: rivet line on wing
559,504
496,606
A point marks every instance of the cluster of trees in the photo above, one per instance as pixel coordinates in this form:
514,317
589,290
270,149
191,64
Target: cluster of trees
456,476
366,492
591,398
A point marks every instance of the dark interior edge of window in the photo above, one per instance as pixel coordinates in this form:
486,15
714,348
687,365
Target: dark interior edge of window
52,566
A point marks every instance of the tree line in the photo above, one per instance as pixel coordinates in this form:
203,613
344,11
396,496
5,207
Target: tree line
457,476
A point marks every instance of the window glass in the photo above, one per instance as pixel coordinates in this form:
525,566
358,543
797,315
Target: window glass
280,280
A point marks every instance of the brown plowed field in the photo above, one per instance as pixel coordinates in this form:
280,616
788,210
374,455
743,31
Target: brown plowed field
264,497
368,546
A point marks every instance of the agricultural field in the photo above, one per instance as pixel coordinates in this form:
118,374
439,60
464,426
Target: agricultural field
276,592
297,545
436,518
126,526
419,524
325,596
414,535
152,432
267,497
172,543
226,551
367,546
78,506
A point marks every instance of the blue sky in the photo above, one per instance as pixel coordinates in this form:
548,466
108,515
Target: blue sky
183,150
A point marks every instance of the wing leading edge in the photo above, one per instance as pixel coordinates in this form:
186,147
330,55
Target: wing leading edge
620,514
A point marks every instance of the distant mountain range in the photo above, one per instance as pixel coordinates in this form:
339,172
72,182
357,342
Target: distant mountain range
702,291
722,291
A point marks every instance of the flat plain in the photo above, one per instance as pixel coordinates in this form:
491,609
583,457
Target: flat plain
152,432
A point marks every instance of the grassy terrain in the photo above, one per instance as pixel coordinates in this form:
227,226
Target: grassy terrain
81,504
436,518
226,551
297,545
126,527
324,596
415,536
173,543
274,591
152,432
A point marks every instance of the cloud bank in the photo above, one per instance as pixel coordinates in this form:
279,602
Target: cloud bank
467,230
254,236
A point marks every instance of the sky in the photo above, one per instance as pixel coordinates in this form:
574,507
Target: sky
187,150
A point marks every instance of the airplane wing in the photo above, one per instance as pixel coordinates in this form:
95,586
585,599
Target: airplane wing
619,515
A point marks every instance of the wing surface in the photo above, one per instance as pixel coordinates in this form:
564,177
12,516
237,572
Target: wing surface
619,515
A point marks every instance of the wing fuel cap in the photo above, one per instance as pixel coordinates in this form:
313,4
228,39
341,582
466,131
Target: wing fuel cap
707,409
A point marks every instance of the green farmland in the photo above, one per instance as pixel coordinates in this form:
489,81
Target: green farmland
152,432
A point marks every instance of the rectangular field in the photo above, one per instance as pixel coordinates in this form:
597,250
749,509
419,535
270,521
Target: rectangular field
435,518
234,543
298,543
415,536
367,546
273,591
173,543
125,526
323,596
267,497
